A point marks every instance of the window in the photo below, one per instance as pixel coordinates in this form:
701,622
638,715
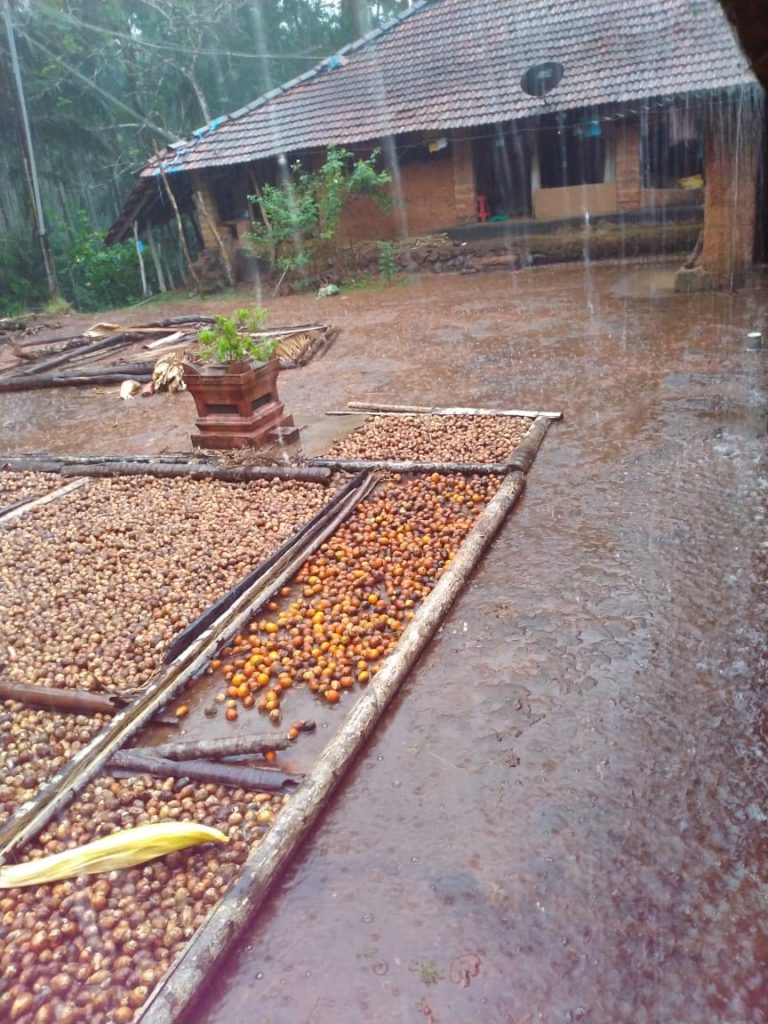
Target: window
571,150
672,149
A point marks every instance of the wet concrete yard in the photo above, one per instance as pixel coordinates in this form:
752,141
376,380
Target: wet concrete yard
563,815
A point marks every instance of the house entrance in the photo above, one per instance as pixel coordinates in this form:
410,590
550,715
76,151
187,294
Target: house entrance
503,171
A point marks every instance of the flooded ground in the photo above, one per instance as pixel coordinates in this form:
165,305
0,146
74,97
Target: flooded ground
562,818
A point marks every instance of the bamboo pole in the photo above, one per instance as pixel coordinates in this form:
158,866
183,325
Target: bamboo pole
230,474
196,627
94,379
28,506
76,702
407,466
203,206
143,762
156,260
435,410
140,254
525,452
54,795
221,746
227,919
179,226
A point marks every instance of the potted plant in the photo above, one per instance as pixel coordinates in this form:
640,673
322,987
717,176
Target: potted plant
234,383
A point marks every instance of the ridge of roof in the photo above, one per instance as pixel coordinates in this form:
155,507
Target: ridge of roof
330,63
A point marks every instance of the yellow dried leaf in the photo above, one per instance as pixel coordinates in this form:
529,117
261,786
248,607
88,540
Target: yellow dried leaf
120,850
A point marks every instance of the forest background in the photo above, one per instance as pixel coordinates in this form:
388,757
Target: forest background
107,83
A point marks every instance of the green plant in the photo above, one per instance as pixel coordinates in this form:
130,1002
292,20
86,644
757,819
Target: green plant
388,265
230,341
303,213
95,277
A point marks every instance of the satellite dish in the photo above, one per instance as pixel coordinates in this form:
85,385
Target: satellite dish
542,78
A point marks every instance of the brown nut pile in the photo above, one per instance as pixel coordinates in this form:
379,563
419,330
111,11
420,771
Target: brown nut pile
93,948
424,438
351,600
34,745
16,487
95,586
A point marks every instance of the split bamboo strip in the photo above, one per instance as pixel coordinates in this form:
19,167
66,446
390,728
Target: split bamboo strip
31,816
447,410
227,919
203,621
28,506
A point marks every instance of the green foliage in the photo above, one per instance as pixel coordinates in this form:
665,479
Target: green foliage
93,277
303,213
229,341
22,279
388,265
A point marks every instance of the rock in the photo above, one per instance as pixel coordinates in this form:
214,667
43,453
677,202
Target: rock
694,279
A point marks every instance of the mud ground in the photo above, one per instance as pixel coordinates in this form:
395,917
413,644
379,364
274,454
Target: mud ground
562,817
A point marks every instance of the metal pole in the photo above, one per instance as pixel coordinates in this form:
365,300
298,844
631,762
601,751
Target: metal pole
50,270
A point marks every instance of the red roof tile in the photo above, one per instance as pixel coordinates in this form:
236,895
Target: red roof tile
455,63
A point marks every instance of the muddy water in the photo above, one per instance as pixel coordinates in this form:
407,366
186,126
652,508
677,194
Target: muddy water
562,818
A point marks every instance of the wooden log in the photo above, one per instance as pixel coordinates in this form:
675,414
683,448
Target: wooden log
55,794
27,506
221,746
407,466
435,410
145,762
178,321
114,340
76,702
226,920
93,379
230,474
524,454
31,460
73,701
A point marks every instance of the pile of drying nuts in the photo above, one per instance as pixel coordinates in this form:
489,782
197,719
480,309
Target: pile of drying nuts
34,745
93,948
427,438
95,586
347,606
16,487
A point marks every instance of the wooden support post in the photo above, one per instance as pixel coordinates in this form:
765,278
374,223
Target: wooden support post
140,254
180,226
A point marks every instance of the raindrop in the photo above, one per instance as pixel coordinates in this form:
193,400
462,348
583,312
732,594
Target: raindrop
416,860
367,918
259,975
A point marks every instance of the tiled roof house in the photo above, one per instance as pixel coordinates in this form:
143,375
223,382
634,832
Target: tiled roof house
445,90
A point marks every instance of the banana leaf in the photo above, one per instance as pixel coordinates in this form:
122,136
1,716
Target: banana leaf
122,849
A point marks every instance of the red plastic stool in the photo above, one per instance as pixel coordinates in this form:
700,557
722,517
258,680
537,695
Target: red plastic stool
482,208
